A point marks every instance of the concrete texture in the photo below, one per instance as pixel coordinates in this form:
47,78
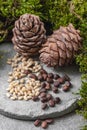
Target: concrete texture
68,122
29,110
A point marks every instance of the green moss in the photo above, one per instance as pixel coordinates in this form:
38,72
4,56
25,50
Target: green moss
54,13
10,10
82,61
84,128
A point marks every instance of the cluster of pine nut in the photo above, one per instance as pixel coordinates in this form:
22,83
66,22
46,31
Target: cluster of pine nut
21,86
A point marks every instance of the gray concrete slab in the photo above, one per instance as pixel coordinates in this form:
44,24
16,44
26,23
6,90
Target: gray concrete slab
31,110
68,122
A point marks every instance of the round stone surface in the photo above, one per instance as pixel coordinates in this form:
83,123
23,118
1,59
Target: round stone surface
29,110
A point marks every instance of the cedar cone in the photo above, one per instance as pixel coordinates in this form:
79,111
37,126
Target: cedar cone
61,47
28,35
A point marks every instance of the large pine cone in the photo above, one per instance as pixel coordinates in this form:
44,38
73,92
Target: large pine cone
61,46
28,35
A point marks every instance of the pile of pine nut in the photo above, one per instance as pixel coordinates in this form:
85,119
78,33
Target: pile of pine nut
21,86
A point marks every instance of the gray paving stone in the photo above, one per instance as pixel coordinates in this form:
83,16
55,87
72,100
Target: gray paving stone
67,122
31,110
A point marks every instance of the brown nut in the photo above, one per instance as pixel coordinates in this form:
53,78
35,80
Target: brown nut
44,99
48,86
33,76
50,120
67,83
56,76
37,122
44,76
44,106
42,95
43,85
66,77
42,90
51,103
61,80
35,98
44,124
65,88
55,89
42,71
50,75
27,72
49,80
49,96
56,83
40,77
57,100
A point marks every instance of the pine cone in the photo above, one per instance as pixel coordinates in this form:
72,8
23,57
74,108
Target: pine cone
61,47
28,35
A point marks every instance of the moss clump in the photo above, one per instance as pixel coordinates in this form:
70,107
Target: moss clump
54,13
10,10
82,61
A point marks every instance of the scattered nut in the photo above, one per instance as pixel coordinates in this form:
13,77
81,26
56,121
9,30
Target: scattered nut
57,100
43,94
35,98
44,106
65,88
48,86
55,89
49,80
37,122
56,76
49,96
43,85
40,77
44,76
33,76
56,83
50,75
61,80
51,103
42,71
44,99
44,124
